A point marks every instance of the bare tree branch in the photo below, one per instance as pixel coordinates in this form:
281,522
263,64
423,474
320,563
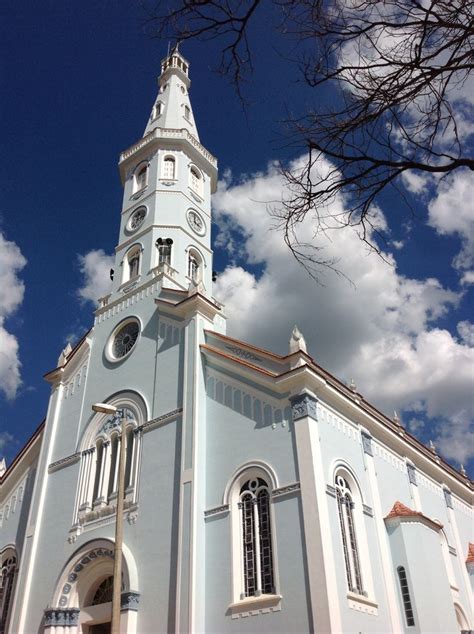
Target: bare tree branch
398,69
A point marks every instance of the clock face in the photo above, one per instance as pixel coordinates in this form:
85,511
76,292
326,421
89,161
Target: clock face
136,219
196,222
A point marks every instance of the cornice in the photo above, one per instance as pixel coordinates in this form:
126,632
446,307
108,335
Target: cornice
312,378
163,136
195,303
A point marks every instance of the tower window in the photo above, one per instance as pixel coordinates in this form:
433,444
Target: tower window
195,180
141,178
132,264
194,265
345,505
157,110
164,250
402,577
168,169
187,113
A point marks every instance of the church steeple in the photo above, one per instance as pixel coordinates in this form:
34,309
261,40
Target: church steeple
168,179
172,108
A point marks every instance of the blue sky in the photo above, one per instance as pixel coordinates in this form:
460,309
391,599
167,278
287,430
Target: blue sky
77,88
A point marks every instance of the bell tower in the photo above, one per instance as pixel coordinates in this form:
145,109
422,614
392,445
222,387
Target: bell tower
168,178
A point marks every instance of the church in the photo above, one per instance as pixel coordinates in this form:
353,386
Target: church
259,493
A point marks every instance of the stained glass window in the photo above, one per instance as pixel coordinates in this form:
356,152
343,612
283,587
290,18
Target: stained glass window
7,581
257,554
345,507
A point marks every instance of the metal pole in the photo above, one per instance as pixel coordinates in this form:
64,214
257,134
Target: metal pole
117,588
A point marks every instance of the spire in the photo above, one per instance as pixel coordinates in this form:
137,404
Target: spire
172,108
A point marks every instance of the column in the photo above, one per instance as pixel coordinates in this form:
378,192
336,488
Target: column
317,531
90,479
104,472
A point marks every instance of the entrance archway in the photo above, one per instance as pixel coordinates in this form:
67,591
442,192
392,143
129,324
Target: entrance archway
83,596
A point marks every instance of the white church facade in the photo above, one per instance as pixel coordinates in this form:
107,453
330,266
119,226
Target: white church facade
261,493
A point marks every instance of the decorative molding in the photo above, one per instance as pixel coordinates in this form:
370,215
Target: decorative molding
448,498
217,510
367,510
64,462
252,606
129,601
243,354
303,405
78,567
114,422
367,443
411,470
64,617
159,420
285,490
330,490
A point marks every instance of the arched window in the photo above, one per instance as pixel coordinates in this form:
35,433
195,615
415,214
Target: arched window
141,177
345,505
158,109
168,168
98,476
104,592
405,592
132,264
194,266
256,538
7,584
164,246
195,180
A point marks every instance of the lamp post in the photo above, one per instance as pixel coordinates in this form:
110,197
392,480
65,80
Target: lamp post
105,408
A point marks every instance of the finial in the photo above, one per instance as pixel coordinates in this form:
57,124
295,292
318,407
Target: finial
396,418
3,467
352,385
64,355
297,341
463,470
432,446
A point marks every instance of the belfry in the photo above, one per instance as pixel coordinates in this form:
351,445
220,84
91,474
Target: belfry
254,492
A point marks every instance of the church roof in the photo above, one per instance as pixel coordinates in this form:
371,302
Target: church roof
470,554
23,451
399,510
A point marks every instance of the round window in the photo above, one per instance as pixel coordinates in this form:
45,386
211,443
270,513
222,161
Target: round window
123,339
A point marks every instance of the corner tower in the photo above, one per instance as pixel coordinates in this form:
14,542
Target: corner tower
168,179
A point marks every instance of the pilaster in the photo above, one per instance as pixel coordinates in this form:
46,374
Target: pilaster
388,582
319,549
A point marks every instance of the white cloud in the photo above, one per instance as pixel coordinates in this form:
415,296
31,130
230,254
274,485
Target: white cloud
382,332
467,278
12,291
466,332
95,266
5,439
450,213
